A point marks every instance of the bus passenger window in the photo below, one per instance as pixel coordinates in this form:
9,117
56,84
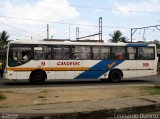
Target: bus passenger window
81,52
42,52
75,54
105,53
61,52
119,56
118,53
145,53
131,52
66,53
96,52
101,52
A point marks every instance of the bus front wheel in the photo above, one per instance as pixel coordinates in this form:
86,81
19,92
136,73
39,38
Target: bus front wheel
115,76
37,77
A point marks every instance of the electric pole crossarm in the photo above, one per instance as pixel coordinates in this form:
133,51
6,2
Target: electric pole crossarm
88,36
134,31
146,27
157,28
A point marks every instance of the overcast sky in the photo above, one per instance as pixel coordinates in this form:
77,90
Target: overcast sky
24,19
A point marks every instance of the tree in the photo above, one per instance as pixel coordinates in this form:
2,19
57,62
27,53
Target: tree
117,36
3,38
123,39
157,43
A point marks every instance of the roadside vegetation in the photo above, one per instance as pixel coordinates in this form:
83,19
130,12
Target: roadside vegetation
117,36
41,97
152,90
3,38
2,96
18,97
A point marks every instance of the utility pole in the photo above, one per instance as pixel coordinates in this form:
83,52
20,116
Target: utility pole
52,37
99,33
131,35
47,31
69,29
100,29
77,33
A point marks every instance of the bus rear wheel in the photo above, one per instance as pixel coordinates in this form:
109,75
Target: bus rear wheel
37,77
115,76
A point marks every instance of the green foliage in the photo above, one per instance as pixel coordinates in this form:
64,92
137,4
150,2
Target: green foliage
3,38
156,42
2,96
41,97
153,90
117,36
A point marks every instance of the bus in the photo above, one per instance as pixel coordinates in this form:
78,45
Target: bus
38,61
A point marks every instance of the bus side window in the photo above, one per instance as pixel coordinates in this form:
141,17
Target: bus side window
66,52
42,52
105,53
118,53
146,53
96,52
61,52
131,52
81,52
119,56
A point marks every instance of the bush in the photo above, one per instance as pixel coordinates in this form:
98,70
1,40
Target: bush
2,97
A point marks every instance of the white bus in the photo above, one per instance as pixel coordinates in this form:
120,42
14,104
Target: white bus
38,61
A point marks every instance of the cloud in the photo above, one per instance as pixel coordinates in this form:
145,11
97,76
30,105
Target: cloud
42,9
45,10
147,6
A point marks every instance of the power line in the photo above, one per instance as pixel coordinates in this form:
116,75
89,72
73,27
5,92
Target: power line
57,23
13,27
46,21
110,9
20,35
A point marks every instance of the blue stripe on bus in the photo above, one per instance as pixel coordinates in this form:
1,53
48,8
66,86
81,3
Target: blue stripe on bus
99,69
137,45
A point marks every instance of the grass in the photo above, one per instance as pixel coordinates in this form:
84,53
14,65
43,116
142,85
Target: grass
44,91
6,91
152,90
41,97
2,96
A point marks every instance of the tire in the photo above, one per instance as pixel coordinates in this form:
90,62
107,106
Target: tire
37,77
115,76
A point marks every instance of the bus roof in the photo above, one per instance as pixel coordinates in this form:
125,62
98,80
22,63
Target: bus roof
78,43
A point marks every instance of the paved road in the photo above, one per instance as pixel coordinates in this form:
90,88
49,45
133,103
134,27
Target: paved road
61,83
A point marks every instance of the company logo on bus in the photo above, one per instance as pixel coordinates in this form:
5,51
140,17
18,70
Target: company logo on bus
65,63
43,63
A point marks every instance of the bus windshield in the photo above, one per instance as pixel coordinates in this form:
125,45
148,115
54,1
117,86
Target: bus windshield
19,55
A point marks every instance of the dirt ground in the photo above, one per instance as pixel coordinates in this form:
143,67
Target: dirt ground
33,96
